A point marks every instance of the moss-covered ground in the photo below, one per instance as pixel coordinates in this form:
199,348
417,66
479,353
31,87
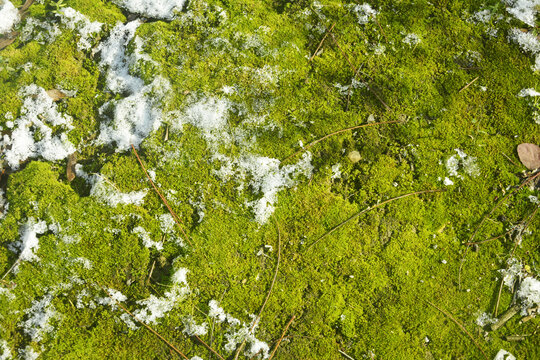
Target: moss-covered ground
365,289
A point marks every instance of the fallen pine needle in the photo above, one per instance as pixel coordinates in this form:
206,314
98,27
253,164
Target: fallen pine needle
320,44
368,209
500,202
336,133
460,326
282,336
267,296
209,348
146,326
175,217
469,84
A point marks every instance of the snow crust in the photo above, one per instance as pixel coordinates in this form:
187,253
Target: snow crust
138,113
9,16
29,242
155,307
504,355
105,192
158,9
34,135
39,316
75,21
524,10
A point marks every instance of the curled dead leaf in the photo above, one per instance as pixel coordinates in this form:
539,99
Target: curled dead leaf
56,95
529,155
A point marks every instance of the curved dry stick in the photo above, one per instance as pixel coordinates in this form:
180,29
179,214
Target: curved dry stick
460,326
267,296
368,209
282,336
336,133
146,326
175,217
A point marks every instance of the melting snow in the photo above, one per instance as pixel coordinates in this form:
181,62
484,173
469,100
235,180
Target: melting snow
33,135
504,355
158,9
138,114
9,16
39,316
524,10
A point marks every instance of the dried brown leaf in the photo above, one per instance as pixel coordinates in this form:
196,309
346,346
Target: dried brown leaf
529,155
56,94
70,169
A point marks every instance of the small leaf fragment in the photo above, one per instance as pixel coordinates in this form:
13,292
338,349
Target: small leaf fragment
70,170
56,95
529,155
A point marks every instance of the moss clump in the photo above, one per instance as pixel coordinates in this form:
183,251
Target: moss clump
366,288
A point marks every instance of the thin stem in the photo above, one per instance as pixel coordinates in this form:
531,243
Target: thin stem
369,208
267,296
146,326
460,326
282,336
175,217
306,147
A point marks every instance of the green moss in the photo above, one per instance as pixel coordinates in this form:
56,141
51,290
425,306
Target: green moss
363,289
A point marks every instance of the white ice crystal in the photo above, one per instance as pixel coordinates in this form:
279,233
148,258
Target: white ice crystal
145,237
364,13
155,307
9,16
529,293
504,355
39,316
158,9
75,21
29,242
524,10
6,351
136,115
33,135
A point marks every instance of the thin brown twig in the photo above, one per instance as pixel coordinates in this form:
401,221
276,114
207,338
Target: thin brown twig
346,355
282,336
506,156
322,41
502,200
267,296
176,219
469,84
460,326
499,298
146,326
306,147
209,347
380,27
369,208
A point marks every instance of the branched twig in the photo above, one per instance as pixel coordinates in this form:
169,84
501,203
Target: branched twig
336,133
282,336
368,209
267,296
146,326
176,219
460,326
